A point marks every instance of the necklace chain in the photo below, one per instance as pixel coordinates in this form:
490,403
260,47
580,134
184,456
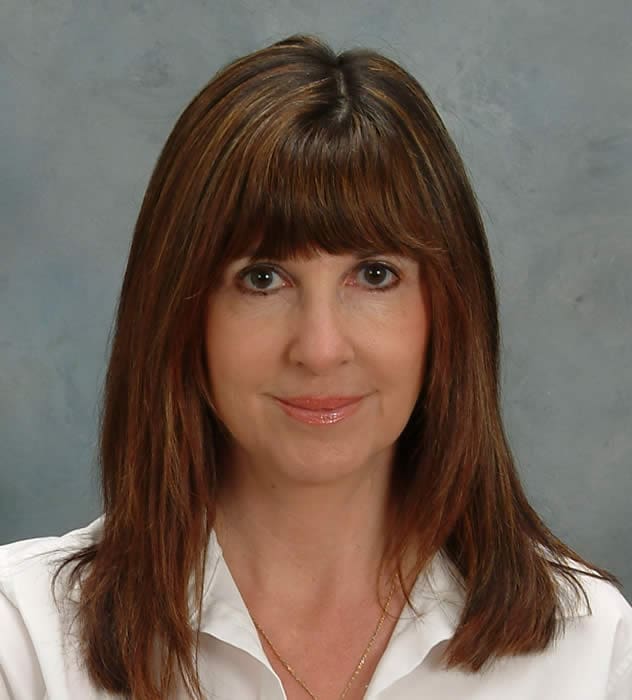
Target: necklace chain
357,669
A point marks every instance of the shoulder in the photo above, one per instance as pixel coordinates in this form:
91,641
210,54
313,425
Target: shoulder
33,559
609,609
602,625
606,600
33,651
602,601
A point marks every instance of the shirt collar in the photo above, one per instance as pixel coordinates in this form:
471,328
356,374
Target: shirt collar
438,600
224,614
436,596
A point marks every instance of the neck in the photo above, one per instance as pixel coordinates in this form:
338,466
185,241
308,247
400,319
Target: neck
302,541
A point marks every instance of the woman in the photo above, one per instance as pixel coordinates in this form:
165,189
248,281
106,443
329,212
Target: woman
307,487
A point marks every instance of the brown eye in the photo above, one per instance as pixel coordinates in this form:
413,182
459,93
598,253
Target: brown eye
378,276
258,280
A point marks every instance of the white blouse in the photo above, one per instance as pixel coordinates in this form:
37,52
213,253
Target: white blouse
38,659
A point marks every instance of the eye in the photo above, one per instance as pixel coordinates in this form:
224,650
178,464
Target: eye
259,279
256,280
379,276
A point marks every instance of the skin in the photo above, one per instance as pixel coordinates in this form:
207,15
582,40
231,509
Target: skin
300,515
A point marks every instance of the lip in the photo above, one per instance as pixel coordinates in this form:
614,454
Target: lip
320,403
320,410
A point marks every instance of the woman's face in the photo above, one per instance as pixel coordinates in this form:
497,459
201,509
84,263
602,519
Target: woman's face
331,328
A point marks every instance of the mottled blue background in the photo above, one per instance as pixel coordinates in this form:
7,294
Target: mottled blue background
538,96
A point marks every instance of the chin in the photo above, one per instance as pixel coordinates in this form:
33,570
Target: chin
309,472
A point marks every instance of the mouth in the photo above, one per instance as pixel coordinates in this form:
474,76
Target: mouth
320,411
320,403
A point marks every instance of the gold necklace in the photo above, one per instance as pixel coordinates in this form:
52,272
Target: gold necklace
357,669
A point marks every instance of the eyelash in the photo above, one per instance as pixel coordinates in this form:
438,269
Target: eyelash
268,267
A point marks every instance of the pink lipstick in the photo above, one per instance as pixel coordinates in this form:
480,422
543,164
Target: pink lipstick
320,410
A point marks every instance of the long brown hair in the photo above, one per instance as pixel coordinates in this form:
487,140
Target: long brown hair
290,150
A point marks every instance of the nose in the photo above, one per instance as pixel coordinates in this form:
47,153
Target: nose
320,338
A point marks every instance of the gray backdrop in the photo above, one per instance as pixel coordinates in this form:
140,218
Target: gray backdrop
538,96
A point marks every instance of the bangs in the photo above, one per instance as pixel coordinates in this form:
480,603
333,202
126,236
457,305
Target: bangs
329,189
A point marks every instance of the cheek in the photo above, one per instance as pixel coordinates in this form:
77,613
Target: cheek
238,353
406,350
408,356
